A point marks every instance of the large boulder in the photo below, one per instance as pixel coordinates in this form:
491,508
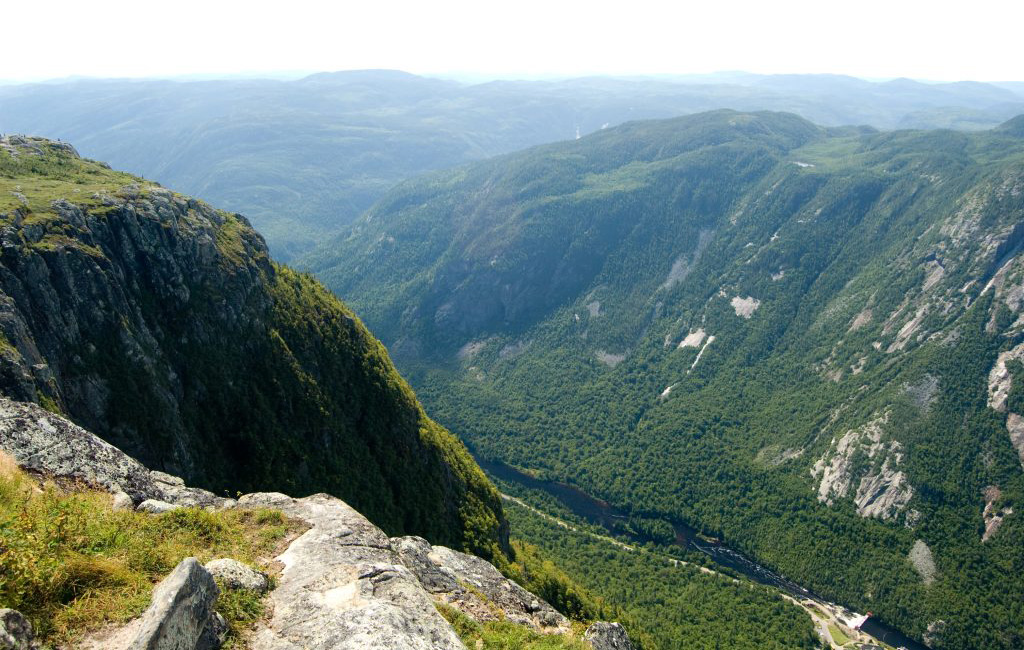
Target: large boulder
181,616
608,636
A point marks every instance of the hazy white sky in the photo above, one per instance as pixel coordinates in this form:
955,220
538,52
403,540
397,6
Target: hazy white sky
941,40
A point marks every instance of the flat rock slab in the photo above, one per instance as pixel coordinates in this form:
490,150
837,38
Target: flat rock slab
344,588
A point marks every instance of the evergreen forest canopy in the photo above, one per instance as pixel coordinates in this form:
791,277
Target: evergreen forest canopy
806,341
304,158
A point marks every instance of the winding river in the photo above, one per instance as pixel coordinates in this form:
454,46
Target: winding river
603,514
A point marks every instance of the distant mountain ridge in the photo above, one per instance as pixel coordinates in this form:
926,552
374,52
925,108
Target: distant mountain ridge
162,325
304,158
804,340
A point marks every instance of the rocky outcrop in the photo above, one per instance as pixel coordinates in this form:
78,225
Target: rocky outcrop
1000,379
1015,427
882,489
608,636
745,307
475,587
344,587
921,558
992,514
48,444
15,631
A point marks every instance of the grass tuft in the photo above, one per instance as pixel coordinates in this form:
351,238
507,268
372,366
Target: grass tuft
505,635
72,564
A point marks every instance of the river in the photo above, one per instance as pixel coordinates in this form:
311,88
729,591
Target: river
604,514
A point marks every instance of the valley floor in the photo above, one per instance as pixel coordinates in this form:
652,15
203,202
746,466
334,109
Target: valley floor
831,621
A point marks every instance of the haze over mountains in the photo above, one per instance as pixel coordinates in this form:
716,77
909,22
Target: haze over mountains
303,158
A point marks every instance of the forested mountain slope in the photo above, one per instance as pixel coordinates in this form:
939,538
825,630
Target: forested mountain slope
162,325
303,158
806,341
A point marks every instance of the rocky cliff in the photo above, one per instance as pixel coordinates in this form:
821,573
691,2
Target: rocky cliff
162,325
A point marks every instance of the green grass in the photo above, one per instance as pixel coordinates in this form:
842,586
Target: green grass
50,173
504,635
71,564
837,634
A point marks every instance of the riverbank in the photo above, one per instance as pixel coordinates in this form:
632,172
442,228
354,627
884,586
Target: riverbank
831,620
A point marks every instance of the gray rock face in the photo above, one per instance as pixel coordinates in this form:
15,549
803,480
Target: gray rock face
181,615
883,490
344,587
1015,426
921,558
608,636
415,554
236,575
459,580
42,442
15,631
156,506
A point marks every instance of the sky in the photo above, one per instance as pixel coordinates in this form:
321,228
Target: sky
936,40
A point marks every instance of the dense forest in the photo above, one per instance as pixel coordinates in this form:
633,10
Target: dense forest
780,334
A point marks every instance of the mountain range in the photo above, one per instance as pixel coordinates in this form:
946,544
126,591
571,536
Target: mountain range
303,158
803,340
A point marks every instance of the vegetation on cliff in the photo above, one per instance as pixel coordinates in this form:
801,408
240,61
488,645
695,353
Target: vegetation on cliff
72,564
161,324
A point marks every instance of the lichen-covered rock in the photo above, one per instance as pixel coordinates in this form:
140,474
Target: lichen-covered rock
344,587
608,636
181,615
475,587
15,631
156,506
415,554
236,575
48,444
